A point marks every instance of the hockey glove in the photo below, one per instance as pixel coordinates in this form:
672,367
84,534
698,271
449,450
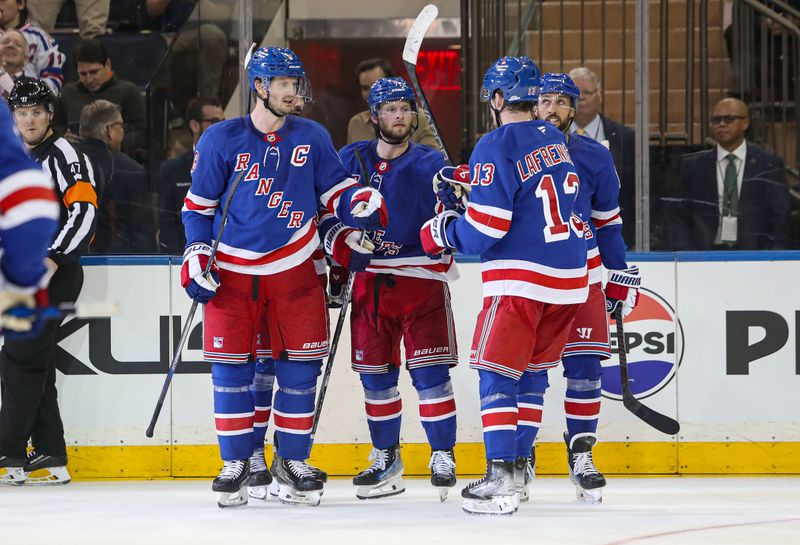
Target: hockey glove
368,208
348,247
433,234
16,325
199,287
337,279
450,185
623,289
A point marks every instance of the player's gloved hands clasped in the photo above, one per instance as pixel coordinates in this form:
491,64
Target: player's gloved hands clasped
369,209
349,247
18,318
623,289
199,287
433,234
448,184
337,280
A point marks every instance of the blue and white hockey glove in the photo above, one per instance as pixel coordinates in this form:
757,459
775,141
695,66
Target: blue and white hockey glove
623,289
433,233
199,287
349,247
449,185
21,326
369,209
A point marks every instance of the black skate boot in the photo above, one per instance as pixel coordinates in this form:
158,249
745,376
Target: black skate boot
443,471
384,477
588,481
297,483
494,494
260,477
524,473
230,484
43,469
11,471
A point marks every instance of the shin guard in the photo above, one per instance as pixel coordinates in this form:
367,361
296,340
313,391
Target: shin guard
294,407
233,409
437,405
384,407
499,415
530,400
261,391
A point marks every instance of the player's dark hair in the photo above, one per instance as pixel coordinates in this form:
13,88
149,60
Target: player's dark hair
90,50
194,109
525,107
371,64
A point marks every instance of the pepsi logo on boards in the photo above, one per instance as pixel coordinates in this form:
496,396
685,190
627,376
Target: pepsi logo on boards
654,338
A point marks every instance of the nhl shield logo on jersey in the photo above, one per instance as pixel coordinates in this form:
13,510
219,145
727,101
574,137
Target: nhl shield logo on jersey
654,337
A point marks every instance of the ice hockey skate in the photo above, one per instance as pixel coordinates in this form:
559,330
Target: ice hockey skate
384,477
318,473
11,471
297,483
260,477
230,485
443,471
588,481
524,472
43,469
494,494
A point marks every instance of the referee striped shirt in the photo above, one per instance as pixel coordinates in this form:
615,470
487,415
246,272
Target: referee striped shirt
74,177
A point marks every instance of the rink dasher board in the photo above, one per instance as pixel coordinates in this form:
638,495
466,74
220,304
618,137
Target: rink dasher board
114,369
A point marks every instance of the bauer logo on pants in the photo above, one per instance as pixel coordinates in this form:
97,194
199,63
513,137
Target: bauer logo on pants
654,337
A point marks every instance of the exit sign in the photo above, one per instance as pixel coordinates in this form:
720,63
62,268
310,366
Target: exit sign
440,69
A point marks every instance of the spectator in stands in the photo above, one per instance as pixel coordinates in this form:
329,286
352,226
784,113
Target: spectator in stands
733,196
96,80
202,35
620,141
174,176
92,15
360,126
124,220
43,53
13,61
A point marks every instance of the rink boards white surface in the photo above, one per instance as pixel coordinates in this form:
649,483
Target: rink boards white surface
752,419
653,511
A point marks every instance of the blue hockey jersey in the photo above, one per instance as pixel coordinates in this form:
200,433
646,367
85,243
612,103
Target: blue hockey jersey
520,217
286,174
29,210
598,199
406,184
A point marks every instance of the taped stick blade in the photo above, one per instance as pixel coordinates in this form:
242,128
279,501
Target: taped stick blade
417,32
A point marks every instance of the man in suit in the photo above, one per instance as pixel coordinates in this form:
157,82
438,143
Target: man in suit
618,138
733,196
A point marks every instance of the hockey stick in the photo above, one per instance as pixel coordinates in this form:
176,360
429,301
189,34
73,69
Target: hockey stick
176,358
337,333
659,421
410,54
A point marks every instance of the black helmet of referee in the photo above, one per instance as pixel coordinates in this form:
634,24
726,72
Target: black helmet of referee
30,92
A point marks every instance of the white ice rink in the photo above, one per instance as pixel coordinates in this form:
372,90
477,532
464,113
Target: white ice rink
653,511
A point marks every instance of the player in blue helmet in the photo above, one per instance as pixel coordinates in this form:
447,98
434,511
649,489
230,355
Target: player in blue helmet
276,63
588,343
511,82
386,96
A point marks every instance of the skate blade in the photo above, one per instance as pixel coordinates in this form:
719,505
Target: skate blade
12,476
499,505
226,500
51,476
523,495
592,497
443,491
381,490
289,496
258,492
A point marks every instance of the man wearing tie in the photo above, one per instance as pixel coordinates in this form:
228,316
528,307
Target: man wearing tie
735,195
619,139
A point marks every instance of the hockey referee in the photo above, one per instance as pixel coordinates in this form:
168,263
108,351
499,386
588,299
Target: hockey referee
27,368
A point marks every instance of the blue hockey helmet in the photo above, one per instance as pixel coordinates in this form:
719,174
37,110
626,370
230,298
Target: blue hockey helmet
390,90
271,62
517,78
560,84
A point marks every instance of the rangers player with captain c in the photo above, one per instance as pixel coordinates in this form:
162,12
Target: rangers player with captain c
263,271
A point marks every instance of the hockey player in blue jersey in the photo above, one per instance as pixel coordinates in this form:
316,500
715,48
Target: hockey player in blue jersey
399,294
29,213
520,221
598,199
262,278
